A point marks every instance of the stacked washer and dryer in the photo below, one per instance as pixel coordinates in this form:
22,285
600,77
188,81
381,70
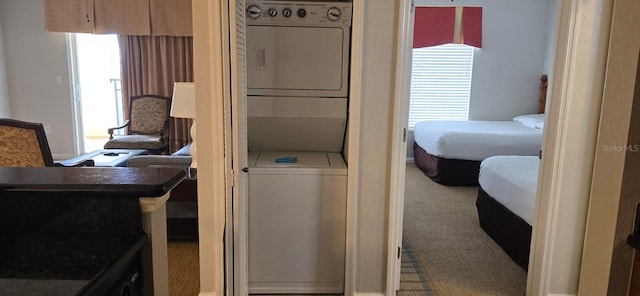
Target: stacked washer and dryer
297,86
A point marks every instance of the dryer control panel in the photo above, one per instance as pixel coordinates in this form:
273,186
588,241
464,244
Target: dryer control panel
305,13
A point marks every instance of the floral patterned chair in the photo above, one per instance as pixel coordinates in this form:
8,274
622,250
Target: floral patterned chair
147,126
24,144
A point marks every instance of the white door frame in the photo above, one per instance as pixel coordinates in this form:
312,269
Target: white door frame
607,261
209,32
76,102
353,140
569,146
237,151
237,201
404,46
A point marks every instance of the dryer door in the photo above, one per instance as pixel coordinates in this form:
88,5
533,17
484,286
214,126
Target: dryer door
297,61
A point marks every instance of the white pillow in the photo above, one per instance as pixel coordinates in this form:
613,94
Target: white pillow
530,120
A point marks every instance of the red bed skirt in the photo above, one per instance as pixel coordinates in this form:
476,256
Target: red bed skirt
452,172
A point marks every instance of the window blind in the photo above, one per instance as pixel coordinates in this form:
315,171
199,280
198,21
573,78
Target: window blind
440,83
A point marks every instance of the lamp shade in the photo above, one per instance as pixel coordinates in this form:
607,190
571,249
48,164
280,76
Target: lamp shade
183,104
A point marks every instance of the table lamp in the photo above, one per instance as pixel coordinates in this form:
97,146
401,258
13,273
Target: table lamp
183,105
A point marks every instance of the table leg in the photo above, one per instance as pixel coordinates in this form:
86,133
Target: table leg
154,256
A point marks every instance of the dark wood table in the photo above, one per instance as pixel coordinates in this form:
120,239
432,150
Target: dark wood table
184,228
107,157
67,218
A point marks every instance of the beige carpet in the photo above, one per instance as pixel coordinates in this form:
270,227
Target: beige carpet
184,268
458,257
412,277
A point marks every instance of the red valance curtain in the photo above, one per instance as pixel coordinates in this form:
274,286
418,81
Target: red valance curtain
442,25
472,26
433,26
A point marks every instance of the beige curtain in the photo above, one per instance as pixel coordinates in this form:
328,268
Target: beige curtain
150,65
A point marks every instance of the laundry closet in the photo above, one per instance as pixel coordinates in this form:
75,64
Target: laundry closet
297,76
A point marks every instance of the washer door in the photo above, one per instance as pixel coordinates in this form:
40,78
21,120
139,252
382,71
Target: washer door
297,61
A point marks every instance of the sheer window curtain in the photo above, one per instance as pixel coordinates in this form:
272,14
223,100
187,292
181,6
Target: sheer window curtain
150,65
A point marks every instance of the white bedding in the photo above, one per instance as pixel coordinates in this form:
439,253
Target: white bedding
477,140
512,181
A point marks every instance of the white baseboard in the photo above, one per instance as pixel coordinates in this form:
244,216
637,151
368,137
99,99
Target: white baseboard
410,160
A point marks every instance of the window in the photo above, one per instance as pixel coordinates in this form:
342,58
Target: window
440,83
96,70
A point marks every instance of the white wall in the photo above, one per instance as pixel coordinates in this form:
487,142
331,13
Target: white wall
506,71
551,43
5,106
35,60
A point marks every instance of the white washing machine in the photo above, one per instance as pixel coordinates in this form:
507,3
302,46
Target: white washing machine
297,85
297,217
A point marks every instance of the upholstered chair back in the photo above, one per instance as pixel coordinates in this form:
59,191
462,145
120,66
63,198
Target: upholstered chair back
23,144
149,114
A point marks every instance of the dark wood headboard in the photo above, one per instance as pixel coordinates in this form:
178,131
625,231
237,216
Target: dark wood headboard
542,100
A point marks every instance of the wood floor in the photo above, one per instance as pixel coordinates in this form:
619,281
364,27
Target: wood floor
184,268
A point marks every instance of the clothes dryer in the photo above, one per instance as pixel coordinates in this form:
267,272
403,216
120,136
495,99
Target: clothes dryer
298,48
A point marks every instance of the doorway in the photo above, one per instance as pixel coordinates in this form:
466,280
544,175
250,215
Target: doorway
568,146
96,83
486,64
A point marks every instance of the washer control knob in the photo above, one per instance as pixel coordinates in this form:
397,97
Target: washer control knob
254,11
334,13
272,12
286,12
302,12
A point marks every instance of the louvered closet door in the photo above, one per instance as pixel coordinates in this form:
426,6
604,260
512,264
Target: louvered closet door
236,251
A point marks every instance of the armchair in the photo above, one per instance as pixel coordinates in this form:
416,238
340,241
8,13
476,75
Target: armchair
147,126
24,144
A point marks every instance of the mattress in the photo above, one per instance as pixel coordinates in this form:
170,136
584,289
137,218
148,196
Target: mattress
477,140
512,181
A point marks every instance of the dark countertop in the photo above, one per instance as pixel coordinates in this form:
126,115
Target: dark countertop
147,182
65,264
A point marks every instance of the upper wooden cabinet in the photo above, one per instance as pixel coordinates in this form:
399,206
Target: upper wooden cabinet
69,16
123,17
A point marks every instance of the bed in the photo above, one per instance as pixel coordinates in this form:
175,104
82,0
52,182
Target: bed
450,152
506,202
